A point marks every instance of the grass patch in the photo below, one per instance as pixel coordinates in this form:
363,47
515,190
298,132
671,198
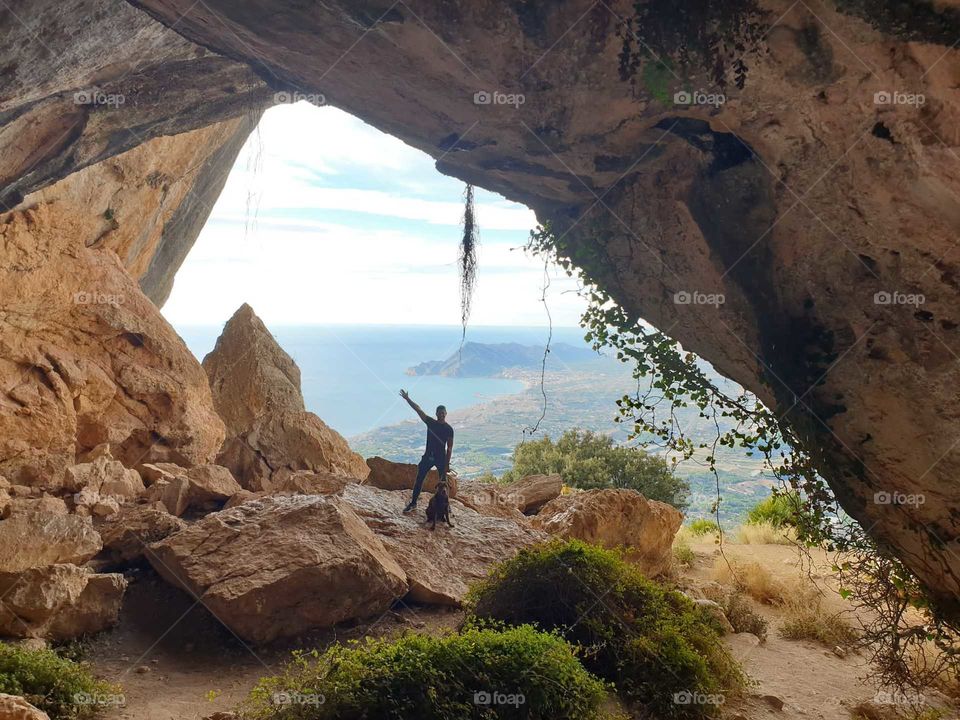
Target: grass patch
752,579
480,673
765,533
60,687
654,644
683,554
809,621
743,617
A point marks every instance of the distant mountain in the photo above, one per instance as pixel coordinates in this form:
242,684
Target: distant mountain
491,359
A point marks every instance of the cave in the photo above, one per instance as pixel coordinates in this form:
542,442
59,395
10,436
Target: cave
820,198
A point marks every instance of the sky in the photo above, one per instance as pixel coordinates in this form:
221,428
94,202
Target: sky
327,220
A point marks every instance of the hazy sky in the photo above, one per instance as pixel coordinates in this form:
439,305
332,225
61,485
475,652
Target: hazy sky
353,226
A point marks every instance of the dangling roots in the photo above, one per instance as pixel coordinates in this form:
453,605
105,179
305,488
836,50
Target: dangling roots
468,258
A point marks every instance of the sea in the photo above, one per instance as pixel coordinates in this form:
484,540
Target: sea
351,375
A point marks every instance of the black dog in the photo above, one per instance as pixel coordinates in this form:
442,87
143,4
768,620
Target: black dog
439,506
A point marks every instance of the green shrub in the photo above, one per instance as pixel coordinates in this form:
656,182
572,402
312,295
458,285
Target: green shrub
527,674
58,686
779,510
683,553
812,622
702,526
654,644
588,460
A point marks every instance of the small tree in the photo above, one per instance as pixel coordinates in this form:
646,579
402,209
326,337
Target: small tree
589,460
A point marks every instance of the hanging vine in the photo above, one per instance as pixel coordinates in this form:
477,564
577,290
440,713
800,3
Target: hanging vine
467,262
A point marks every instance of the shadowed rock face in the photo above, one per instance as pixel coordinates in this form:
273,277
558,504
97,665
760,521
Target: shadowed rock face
799,200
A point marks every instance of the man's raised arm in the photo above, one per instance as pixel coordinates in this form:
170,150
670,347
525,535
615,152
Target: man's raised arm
423,416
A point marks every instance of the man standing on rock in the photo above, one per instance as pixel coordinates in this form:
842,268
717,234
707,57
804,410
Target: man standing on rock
439,447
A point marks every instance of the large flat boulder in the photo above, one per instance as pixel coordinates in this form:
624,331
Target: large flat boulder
279,566
204,487
59,602
388,475
43,538
532,492
439,564
256,390
490,499
616,519
106,477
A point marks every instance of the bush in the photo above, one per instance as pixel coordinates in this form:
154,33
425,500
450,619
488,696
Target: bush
779,510
653,644
534,674
588,460
812,622
753,579
58,686
743,617
702,526
683,553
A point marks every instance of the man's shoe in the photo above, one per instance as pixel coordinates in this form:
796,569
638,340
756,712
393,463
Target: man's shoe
409,509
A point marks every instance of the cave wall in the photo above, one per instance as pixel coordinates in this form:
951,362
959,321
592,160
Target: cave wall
799,199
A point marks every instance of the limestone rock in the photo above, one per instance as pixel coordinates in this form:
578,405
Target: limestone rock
126,534
14,707
200,487
250,374
106,477
173,494
95,363
616,518
489,499
256,389
42,538
210,483
388,475
278,566
240,497
59,602
28,506
440,564
151,472
305,482
534,491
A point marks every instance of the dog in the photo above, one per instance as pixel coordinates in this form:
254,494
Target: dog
439,506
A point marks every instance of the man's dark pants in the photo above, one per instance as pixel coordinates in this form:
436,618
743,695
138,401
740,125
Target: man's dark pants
426,463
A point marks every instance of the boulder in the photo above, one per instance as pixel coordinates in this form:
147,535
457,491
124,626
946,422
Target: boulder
240,497
106,477
440,564
14,707
489,499
256,390
29,506
151,472
250,374
279,566
616,518
305,482
43,538
126,534
173,494
59,602
201,487
210,483
534,491
388,475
